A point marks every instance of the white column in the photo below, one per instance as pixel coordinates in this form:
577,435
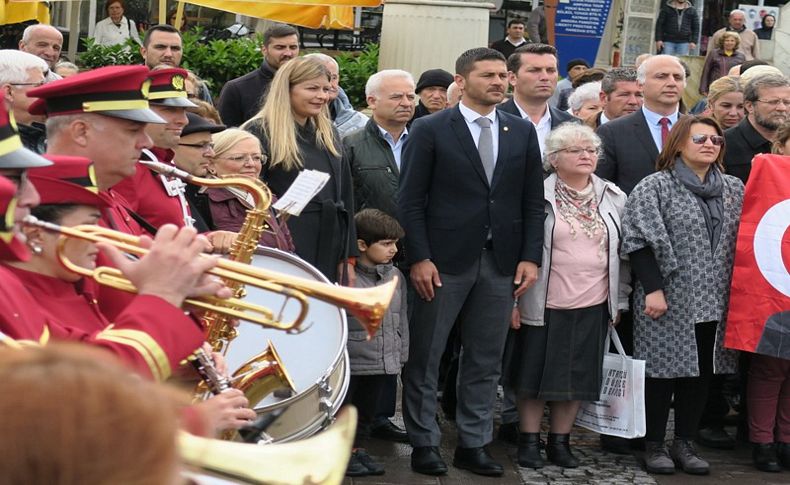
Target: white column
781,50
420,35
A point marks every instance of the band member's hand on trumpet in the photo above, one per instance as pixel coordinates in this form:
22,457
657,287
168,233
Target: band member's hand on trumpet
172,269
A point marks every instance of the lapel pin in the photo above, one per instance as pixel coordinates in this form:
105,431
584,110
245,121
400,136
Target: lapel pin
505,128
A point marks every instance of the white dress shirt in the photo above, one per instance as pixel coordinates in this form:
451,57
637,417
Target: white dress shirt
470,116
543,128
652,119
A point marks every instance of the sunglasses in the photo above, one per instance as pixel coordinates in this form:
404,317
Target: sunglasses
717,140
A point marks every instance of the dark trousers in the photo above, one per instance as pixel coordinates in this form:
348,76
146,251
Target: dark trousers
769,399
388,397
366,393
690,392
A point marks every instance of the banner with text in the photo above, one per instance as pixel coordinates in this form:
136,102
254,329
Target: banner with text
578,29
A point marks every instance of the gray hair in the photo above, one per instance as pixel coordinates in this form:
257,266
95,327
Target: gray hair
31,29
56,124
617,75
323,58
752,90
15,66
736,11
373,85
641,72
582,94
565,135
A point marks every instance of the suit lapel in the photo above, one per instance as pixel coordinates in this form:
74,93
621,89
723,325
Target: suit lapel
467,143
644,135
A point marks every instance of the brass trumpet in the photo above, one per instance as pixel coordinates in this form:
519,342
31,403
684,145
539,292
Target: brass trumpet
321,459
368,305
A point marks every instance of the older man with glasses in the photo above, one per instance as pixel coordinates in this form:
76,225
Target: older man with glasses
19,73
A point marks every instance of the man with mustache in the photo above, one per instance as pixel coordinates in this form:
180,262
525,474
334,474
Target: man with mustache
471,202
766,100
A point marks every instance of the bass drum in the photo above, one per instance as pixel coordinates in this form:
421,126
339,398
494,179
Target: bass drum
316,359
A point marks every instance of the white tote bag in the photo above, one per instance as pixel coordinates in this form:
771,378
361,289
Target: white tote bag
620,411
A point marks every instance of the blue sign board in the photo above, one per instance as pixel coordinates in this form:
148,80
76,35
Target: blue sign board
578,29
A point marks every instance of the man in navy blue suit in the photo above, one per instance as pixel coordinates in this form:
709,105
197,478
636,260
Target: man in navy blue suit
471,201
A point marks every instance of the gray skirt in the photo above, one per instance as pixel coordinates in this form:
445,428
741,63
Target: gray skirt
560,361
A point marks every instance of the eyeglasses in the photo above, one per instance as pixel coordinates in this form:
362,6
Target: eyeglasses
203,146
40,83
717,140
243,157
576,151
775,102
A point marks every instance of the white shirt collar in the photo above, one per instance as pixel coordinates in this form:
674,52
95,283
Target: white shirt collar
470,115
386,134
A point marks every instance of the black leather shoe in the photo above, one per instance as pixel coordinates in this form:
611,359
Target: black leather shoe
558,451
715,437
478,461
529,450
389,431
374,467
615,444
783,451
508,433
765,459
356,468
427,460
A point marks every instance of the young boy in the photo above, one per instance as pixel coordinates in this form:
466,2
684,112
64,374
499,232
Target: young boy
375,364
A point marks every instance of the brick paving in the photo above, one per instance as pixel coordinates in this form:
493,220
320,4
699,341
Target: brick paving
597,466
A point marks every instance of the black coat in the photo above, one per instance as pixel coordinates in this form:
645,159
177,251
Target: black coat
629,152
373,169
324,233
743,142
447,206
242,98
677,25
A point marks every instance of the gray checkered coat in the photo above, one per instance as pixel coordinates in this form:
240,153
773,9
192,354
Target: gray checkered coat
662,214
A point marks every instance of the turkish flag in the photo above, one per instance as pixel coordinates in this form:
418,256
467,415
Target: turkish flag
759,314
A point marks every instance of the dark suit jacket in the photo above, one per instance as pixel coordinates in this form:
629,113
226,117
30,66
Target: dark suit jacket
743,142
447,206
558,117
629,152
242,98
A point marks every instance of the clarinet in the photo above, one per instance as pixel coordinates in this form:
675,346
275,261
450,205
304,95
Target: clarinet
204,365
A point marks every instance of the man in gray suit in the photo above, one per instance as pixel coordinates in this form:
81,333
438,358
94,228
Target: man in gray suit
471,202
631,143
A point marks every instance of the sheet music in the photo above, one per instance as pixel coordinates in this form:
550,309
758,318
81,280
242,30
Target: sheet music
307,184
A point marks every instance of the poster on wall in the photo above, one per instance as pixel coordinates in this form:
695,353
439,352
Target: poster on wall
578,28
755,14
638,29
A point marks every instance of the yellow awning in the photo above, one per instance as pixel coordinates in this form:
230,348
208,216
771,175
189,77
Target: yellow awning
15,12
314,14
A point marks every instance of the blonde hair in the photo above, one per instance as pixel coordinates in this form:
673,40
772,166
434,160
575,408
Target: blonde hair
276,117
226,140
723,85
731,35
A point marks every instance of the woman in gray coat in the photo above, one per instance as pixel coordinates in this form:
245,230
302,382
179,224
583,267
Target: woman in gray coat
582,286
679,230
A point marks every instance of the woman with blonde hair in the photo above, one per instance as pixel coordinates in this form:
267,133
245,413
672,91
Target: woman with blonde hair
724,57
296,134
238,152
725,101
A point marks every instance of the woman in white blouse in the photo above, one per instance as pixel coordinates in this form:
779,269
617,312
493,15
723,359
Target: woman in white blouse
116,28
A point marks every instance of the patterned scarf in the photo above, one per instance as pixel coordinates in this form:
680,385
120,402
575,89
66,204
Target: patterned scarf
580,207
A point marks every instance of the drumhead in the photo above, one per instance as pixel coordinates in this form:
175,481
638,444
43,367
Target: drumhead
309,356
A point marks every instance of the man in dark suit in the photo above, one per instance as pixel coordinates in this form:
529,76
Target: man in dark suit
242,98
631,143
765,101
532,71
471,202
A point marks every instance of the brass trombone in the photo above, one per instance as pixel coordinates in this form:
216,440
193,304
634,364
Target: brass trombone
368,305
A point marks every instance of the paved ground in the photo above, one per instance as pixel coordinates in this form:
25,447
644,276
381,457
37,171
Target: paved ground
598,467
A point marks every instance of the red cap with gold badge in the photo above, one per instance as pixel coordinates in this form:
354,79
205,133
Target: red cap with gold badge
117,91
69,180
168,88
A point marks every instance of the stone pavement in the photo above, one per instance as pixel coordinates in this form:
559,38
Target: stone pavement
598,467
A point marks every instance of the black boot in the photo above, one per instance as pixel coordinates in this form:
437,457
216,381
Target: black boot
558,451
765,457
529,450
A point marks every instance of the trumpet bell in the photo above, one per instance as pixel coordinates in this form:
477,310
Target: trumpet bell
320,459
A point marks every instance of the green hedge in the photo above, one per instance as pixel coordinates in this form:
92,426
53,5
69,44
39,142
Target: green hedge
219,61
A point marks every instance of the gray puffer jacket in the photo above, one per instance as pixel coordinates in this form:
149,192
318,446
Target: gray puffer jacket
611,202
388,350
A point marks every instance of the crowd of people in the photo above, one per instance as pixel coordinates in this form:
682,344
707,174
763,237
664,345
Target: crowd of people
523,216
